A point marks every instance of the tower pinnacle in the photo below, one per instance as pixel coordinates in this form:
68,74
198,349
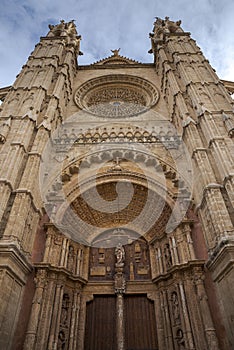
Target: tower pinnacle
68,30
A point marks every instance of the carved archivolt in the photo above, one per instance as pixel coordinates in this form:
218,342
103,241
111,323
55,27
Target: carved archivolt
117,95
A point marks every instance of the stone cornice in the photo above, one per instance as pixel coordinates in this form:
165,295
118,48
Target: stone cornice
60,271
179,269
4,91
221,262
14,260
229,85
116,66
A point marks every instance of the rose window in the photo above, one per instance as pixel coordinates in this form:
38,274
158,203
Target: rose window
116,96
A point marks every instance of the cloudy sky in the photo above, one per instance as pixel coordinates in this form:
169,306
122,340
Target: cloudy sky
111,24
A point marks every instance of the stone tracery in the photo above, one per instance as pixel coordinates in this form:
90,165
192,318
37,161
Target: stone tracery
116,96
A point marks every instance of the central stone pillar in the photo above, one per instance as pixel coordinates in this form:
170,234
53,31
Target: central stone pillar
120,321
120,285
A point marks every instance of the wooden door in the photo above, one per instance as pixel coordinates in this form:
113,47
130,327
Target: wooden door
100,330
140,323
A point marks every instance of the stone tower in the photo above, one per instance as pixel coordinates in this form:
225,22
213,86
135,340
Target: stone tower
116,183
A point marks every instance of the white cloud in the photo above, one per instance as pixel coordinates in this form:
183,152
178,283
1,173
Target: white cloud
107,24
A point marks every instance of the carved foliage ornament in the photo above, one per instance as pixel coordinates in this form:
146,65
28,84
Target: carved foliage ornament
116,96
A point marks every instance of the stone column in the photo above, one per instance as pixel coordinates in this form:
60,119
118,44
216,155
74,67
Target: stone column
188,330
120,321
63,253
166,319
46,312
158,307
82,320
35,311
75,321
55,317
120,285
205,312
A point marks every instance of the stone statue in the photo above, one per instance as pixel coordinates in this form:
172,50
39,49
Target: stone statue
70,260
120,254
61,341
175,307
180,339
167,255
64,311
115,52
162,26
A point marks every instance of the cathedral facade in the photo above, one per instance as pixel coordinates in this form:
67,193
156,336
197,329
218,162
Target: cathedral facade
117,199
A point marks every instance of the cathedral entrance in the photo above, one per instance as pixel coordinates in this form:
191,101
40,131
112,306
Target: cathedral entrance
139,323
120,314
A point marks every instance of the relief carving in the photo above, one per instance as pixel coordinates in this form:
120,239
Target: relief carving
120,283
175,308
61,341
180,339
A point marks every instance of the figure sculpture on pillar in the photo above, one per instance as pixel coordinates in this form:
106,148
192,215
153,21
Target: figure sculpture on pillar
120,255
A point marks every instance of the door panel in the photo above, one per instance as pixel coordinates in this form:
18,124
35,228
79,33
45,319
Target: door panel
100,330
140,323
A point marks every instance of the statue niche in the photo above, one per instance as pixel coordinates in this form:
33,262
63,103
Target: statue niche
175,308
71,258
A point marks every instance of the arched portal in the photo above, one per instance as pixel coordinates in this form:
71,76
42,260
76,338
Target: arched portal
119,256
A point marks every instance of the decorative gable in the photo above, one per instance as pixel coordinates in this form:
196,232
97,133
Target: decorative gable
116,58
